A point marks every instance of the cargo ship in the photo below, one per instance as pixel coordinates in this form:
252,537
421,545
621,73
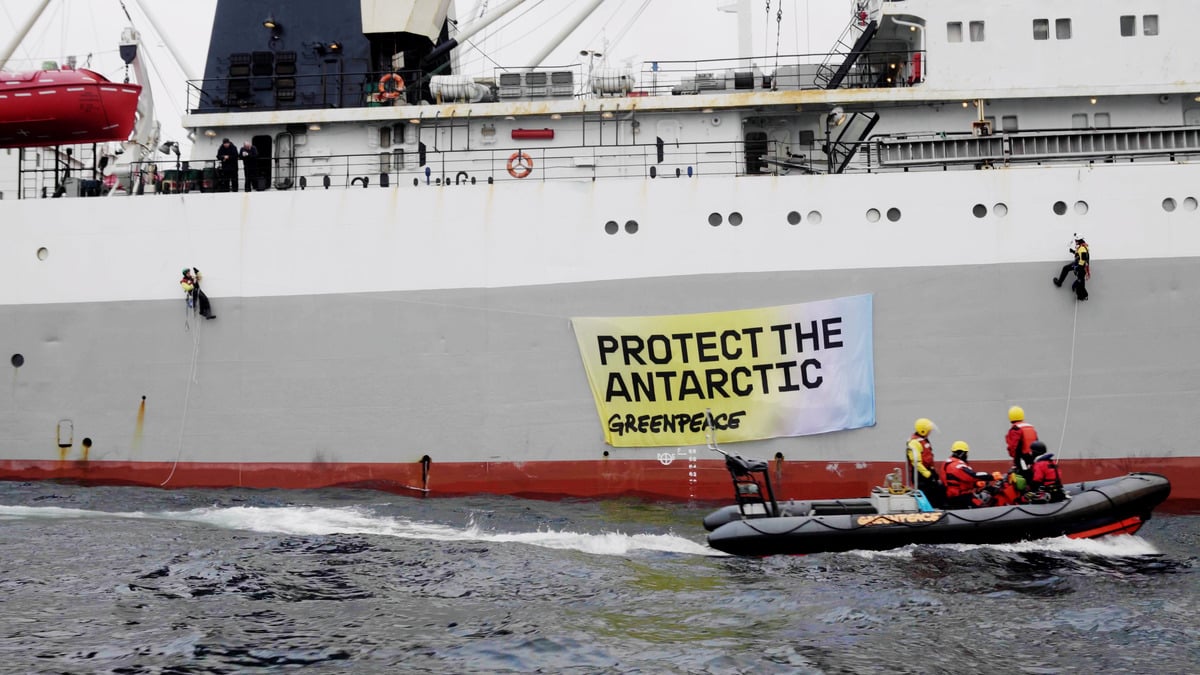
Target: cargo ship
532,283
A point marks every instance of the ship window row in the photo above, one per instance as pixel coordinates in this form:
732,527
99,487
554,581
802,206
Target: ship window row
954,31
1129,26
1062,28
1041,29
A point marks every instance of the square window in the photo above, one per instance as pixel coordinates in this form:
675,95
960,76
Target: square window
1150,24
1102,120
1062,29
976,31
954,31
1128,25
1008,123
1041,29
1079,121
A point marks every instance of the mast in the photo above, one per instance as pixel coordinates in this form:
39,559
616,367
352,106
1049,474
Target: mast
21,33
163,35
476,26
562,34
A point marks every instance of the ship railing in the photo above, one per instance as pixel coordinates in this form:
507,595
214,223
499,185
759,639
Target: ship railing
409,166
270,89
982,148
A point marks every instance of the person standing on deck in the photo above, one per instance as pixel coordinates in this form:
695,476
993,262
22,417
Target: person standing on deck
227,159
1019,440
920,458
249,156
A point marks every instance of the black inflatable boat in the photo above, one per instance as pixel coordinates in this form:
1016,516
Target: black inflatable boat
758,525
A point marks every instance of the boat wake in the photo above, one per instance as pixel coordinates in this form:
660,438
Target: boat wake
319,521
1116,546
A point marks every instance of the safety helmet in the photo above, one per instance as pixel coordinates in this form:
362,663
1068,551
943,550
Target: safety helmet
923,426
960,446
186,270
1016,414
1037,448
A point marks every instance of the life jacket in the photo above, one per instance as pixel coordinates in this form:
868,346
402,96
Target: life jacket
1007,495
1028,436
959,477
187,284
1045,473
926,450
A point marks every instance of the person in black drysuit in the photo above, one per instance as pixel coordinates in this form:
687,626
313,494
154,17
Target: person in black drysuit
249,155
196,297
1080,266
227,160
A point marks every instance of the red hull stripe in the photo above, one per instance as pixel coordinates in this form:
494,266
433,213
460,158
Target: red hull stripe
1127,526
583,478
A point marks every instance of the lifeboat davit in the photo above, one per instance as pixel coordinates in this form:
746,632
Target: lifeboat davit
59,107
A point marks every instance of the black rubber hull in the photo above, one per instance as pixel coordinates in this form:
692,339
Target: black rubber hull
1113,506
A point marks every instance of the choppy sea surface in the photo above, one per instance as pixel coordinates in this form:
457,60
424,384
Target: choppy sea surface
131,580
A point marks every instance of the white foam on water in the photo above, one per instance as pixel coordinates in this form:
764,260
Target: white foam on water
315,521
1113,546
58,513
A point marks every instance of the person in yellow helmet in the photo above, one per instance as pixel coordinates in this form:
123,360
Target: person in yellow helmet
961,480
920,458
1019,440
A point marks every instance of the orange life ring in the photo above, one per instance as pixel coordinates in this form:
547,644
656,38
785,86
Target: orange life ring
520,164
392,92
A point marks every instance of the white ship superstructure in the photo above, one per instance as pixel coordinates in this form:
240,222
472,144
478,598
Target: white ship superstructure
396,294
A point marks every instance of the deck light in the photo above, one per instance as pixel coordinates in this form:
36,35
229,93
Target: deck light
314,127
838,115
270,23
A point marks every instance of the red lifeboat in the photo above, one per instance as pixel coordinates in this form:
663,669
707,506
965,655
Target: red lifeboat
59,107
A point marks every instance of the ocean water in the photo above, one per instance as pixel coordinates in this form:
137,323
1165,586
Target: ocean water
131,580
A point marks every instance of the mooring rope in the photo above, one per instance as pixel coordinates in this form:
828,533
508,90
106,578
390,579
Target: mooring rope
187,392
1070,380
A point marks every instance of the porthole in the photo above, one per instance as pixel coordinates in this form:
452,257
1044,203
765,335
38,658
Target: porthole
793,218
893,214
1169,204
43,253
735,219
714,219
611,227
1060,208
872,215
980,210
631,226
17,360
1000,210
814,217
1081,208
1189,204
